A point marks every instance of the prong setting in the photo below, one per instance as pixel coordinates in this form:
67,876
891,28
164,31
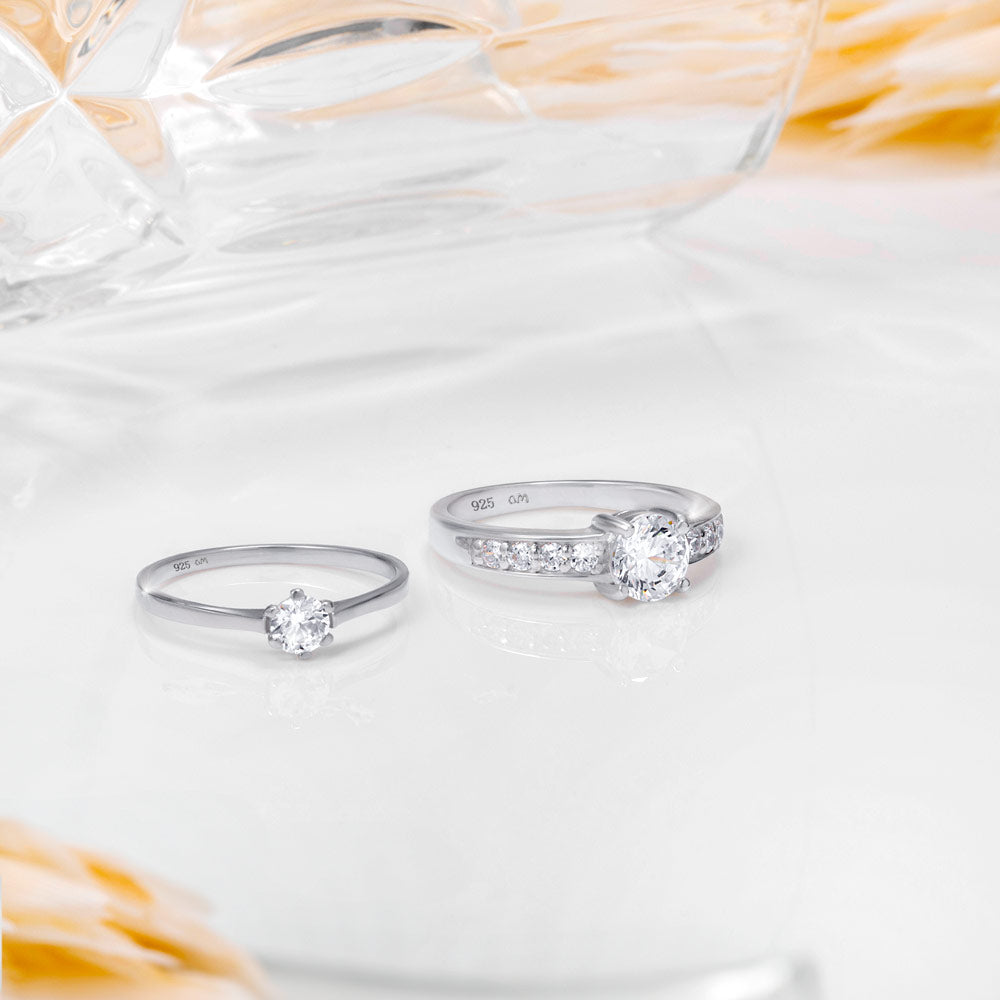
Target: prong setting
616,524
299,625
650,562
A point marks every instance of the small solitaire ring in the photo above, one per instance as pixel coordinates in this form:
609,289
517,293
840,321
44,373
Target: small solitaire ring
298,624
639,546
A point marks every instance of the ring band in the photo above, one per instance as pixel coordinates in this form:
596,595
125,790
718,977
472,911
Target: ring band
640,546
297,625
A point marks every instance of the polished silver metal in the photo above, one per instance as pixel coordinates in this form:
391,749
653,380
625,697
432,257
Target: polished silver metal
177,609
458,531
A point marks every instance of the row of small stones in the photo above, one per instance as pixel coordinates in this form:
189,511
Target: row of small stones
585,558
707,537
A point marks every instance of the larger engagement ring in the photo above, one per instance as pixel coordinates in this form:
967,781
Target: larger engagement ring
640,546
299,624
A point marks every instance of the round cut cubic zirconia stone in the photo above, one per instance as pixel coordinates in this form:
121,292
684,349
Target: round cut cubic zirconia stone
495,554
587,557
521,556
554,557
651,560
710,539
300,624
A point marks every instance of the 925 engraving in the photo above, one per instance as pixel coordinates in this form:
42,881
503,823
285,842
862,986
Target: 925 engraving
489,503
185,564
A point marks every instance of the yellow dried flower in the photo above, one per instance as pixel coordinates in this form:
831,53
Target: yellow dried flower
79,925
904,71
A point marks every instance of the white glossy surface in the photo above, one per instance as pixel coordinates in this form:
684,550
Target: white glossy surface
798,756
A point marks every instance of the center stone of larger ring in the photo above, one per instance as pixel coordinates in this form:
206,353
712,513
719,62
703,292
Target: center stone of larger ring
650,561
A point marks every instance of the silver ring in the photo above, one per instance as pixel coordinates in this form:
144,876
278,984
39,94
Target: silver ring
299,624
640,546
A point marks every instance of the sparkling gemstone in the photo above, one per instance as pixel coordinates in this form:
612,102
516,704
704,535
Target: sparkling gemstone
709,538
495,554
299,624
651,560
554,557
696,543
476,551
587,557
521,556
720,530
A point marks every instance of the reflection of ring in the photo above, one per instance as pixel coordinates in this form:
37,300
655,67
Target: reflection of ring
299,624
642,551
558,627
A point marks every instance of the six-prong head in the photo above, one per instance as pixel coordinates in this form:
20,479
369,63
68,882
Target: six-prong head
649,557
300,624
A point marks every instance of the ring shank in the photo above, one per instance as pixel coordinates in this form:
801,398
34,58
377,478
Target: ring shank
606,495
165,571
455,517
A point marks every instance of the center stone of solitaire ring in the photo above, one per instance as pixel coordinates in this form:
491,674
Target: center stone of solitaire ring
650,559
299,625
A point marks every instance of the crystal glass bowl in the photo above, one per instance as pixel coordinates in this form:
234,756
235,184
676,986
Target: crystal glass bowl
139,137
